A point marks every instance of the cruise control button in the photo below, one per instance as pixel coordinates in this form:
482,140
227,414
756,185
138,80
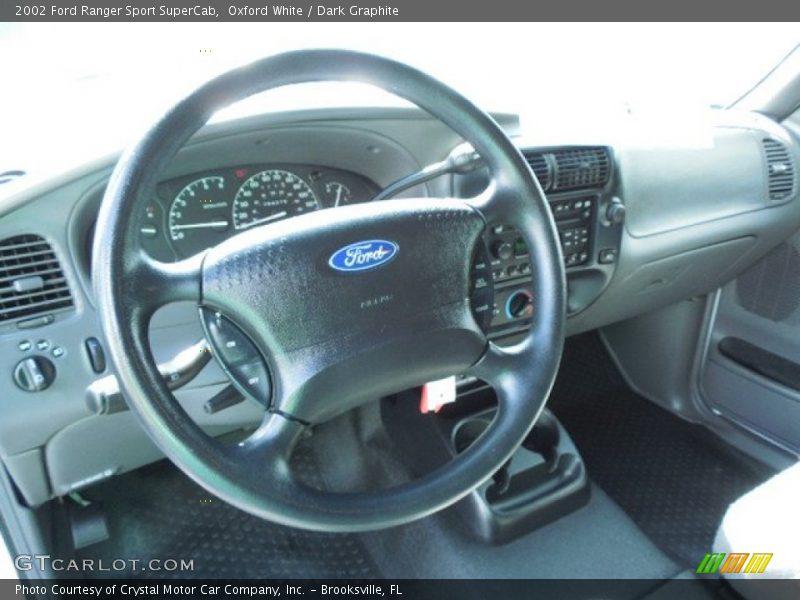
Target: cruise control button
480,282
482,304
253,380
232,346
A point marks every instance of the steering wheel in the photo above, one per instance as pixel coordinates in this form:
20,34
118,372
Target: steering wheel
334,336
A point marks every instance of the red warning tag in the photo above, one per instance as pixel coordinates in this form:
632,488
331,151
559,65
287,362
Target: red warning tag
435,394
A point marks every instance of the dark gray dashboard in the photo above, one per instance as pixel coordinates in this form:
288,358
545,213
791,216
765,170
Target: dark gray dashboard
695,217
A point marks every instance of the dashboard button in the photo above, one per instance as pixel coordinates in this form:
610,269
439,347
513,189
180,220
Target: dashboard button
607,256
35,322
57,352
42,345
25,345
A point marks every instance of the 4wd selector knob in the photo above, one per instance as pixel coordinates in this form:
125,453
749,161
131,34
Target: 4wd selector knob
615,213
503,250
34,374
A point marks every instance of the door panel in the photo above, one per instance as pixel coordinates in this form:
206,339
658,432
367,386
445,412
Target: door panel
754,354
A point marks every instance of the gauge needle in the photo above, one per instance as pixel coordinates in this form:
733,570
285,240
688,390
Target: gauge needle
279,215
338,195
206,225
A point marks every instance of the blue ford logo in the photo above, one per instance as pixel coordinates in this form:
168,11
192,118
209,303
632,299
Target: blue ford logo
361,256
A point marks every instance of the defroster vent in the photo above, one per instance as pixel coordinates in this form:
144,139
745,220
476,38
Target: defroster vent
31,279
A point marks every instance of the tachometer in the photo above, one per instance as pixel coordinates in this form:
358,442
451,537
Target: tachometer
270,196
200,215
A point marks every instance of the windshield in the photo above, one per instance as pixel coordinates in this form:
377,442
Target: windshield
90,88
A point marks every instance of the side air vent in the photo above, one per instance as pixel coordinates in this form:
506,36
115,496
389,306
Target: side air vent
541,168
577,168
31,280
780,170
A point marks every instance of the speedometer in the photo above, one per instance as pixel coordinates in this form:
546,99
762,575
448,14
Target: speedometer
270,196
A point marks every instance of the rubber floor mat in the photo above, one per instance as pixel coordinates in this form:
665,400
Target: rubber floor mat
158,513
673,478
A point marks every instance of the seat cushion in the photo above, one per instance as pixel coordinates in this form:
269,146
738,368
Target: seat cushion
765,520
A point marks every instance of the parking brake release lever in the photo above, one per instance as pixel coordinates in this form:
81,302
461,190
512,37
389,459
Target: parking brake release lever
103,397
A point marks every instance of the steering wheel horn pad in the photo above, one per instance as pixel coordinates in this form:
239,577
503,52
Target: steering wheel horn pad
362,333
334,336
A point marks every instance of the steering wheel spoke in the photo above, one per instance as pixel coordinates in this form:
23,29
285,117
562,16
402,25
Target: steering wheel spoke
498,203
500,368
271,445
154,283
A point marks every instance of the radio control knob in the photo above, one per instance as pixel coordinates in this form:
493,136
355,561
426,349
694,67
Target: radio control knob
503,250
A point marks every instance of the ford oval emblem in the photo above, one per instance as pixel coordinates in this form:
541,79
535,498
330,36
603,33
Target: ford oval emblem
362,256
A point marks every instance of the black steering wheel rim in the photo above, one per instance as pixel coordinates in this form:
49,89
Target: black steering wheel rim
254,475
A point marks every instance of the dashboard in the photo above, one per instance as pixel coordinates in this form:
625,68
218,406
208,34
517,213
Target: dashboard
197,211
641,227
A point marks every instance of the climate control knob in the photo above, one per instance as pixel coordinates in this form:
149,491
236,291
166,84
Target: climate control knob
519,305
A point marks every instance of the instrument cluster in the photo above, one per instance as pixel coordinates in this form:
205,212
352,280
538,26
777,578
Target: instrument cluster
192,213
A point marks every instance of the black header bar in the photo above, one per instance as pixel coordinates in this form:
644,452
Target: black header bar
396,10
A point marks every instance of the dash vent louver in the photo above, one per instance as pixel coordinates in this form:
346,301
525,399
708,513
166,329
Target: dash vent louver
780,170
32,281
541,168
577,168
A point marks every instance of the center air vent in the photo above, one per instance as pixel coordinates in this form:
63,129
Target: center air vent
541,168
577,168
31,280
780,170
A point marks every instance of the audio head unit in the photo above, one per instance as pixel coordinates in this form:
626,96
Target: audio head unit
579,185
